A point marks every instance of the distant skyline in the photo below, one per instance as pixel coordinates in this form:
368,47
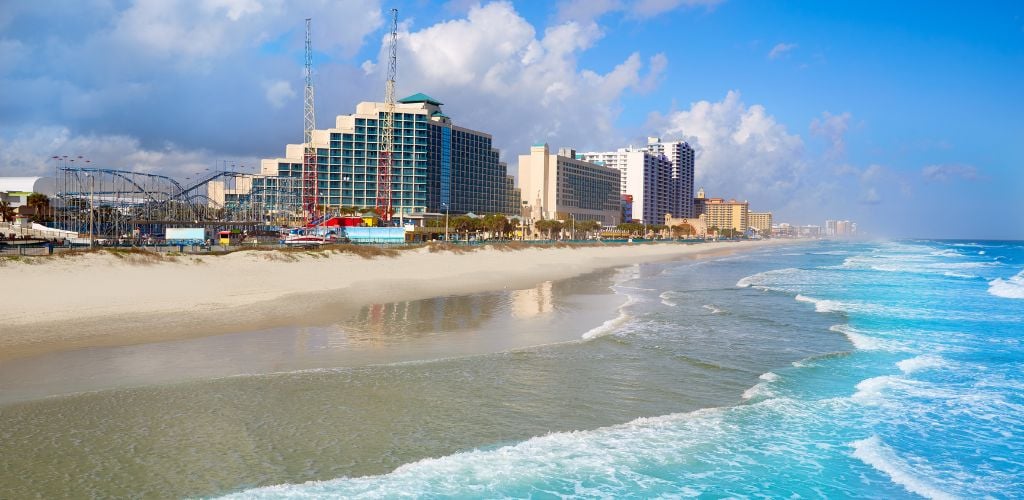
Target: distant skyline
906,117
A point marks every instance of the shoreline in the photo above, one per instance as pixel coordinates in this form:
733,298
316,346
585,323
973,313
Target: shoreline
136,300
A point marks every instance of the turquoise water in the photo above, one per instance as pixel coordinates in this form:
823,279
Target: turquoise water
926,398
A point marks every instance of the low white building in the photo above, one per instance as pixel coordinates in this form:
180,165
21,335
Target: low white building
16,190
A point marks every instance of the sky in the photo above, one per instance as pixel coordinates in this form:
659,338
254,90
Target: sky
906,117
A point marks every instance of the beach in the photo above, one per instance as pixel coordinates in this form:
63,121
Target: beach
102,299
852,369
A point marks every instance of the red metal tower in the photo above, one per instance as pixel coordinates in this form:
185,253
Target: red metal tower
387,128
310,191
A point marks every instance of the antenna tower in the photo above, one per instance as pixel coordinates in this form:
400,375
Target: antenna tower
387,127
310,193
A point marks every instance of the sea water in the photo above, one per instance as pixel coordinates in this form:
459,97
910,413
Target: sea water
881,370
927,401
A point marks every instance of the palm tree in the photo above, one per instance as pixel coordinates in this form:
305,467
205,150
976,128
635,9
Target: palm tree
550,226
41,205
6,212
463,223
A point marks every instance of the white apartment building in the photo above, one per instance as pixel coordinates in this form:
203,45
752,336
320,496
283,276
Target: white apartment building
647,177
681,155
561,186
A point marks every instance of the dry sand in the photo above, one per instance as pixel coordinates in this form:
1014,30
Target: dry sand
99,299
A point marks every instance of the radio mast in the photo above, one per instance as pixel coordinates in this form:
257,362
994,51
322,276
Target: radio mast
310,191
387,128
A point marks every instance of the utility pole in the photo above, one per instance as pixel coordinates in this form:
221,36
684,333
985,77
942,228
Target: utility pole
446,223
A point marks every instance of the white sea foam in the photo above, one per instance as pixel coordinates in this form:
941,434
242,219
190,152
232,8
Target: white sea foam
564,455
866,342
666,299
946,253
923,362
869,391
713,309
953,274
981,252
1009,288
612,325
761,280
872,451
822,305
606,328
761,389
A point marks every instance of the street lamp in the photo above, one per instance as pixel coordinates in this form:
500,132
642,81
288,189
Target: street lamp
445,222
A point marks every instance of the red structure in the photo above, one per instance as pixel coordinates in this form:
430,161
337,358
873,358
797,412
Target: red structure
310,191
387,128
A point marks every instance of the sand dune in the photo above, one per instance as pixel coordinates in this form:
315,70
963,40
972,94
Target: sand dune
100,299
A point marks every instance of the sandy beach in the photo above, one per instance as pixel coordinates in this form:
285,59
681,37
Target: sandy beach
105,300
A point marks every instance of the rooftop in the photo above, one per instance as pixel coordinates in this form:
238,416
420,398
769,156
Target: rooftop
420,97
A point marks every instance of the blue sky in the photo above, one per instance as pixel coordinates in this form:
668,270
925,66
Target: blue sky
904,116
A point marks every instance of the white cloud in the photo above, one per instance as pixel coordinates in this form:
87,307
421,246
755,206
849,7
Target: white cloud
31,152
742,151
651,8
279,93
781,49
833,128
871,197
191,31
872,173
585,11
944,173
497,75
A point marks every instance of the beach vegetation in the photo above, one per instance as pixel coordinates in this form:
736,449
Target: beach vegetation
549,226
40,204
6,211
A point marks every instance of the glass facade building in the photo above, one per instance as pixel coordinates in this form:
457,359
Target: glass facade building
435,164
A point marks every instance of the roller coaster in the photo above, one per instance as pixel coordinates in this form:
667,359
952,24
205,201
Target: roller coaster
123,205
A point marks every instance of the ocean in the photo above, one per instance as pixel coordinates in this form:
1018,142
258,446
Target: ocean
825,369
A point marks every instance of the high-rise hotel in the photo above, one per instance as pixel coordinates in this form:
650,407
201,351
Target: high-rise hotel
436,166
681,155
563,186
658,178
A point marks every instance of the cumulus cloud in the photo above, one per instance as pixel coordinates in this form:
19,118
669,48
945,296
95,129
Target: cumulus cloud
30,152
191,30
178,71
945,173
499,75
741,151
833,128
780,49
279,92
